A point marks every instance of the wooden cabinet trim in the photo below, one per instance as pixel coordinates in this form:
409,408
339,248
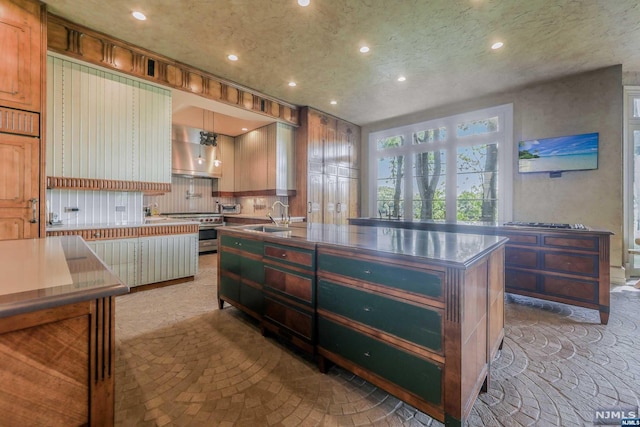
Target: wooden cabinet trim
58,182
71,39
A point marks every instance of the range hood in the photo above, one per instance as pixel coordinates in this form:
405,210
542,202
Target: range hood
186,151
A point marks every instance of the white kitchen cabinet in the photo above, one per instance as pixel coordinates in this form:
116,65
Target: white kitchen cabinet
121,256
265,160
226,154
169,257
102,125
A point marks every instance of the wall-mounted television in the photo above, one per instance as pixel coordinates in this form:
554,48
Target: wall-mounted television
559,154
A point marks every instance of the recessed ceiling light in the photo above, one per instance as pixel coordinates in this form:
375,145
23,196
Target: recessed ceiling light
334,102
497,45
304,3
402,78
364,49
244,129
233,57
292,84
139,16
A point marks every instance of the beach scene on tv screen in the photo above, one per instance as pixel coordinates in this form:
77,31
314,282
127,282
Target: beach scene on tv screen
563,153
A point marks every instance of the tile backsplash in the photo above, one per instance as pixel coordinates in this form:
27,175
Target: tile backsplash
95,207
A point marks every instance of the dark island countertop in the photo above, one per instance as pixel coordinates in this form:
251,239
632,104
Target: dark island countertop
438,246
44,273
471,227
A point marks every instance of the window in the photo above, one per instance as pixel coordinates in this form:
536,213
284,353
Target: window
631,172
461,168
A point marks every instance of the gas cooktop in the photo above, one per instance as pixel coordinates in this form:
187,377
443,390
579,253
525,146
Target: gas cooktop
546,225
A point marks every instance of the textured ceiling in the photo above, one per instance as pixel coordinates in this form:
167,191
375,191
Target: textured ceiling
441,46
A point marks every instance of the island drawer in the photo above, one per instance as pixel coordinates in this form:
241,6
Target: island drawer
246,245
296,320
419,376
288,255
570,263
580,290
520,257
289,283
420,325
382,272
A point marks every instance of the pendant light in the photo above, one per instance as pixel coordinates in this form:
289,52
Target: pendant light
209,138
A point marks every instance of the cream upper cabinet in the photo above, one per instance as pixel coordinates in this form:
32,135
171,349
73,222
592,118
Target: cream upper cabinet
102,125
265,160
226,155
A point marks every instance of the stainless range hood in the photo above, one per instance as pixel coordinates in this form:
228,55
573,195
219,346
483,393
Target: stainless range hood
191,159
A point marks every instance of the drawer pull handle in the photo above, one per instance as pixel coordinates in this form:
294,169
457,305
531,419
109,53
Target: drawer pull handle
367,354
284,255
367,309
367,272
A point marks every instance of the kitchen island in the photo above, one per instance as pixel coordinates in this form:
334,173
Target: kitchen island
547,261
57,326
417,313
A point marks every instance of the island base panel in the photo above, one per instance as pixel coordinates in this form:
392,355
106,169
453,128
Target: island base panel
327,358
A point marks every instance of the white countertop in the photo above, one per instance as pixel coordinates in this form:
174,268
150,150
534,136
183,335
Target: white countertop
264,217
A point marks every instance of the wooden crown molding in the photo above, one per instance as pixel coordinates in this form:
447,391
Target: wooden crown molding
70,39
106,185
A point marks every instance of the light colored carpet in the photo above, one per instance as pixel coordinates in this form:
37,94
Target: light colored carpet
182,362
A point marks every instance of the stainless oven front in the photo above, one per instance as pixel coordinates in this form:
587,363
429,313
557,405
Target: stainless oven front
208,237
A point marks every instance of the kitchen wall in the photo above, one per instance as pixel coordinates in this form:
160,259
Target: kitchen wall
194,195
188,195
95,207
587,102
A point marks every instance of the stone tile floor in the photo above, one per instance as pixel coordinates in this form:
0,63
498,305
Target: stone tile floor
182,362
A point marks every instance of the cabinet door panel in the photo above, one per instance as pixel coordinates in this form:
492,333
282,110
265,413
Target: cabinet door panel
168,257
413,373
21,49
420,325
19,163
230,288
252,298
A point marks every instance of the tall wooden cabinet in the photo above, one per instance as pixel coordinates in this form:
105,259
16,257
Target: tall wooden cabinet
23,41
328,169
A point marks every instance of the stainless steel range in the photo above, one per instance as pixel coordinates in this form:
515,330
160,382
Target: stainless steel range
207,233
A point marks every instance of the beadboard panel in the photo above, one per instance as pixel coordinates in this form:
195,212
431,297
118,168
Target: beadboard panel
106,126
121,256
96,207
168,257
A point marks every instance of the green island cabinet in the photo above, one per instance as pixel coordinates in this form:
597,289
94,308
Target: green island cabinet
241,274
425,332
419,314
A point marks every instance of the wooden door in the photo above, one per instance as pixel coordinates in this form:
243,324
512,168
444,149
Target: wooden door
316,137
19,186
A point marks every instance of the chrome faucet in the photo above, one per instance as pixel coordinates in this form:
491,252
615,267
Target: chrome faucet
285,218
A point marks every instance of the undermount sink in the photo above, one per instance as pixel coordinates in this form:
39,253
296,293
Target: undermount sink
267,228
